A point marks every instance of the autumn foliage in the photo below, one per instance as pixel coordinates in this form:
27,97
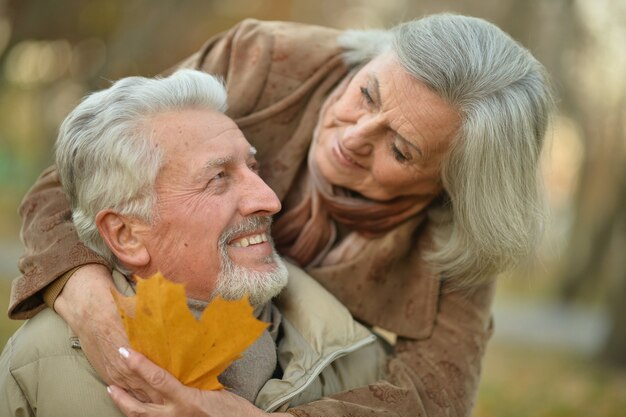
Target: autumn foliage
160,325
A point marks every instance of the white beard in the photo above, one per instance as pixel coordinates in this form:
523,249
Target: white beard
234,281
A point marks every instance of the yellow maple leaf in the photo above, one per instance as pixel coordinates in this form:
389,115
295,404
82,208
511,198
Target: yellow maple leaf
160,325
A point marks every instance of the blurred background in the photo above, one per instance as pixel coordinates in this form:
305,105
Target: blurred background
560,342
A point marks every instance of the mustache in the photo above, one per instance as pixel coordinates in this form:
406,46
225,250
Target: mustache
248,225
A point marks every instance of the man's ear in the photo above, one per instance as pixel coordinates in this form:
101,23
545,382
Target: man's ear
124,236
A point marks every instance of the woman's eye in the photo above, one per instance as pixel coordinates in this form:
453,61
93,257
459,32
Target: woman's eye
366,95
400,157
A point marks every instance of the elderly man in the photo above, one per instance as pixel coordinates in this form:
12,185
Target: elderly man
159,179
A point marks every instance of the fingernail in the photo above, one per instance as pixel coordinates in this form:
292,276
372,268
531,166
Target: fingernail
109,390
125,353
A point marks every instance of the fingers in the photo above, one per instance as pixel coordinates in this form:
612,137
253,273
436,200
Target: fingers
155,382
129,405
100,345
178,400
118,371
110,363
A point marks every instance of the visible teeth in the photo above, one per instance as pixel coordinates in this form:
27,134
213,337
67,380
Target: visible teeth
250,240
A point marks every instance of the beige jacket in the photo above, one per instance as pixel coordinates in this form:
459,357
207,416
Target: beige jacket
323,351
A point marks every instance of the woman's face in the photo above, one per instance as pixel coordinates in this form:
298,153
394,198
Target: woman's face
385,134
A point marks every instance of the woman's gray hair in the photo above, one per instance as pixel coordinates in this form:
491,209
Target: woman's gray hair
492,213
104,153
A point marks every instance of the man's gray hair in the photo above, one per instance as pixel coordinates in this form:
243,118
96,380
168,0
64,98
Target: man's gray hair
493,212
104,153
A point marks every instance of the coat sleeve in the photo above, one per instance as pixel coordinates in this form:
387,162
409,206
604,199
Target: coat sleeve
263,63
437,376
51,244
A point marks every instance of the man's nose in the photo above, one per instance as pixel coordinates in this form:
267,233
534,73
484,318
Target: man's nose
258,198
360,137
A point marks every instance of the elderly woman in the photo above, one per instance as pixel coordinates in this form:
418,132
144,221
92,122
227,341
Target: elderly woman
406,161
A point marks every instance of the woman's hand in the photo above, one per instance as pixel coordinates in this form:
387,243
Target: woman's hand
176,399
87,306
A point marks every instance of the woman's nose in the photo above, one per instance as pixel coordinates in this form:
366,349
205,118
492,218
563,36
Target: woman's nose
360,137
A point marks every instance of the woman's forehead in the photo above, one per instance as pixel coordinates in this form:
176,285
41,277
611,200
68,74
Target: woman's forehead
414,111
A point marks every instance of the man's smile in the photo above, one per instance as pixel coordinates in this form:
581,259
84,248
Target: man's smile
249,240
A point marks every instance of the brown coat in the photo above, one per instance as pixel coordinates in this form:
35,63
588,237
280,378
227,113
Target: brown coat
277,76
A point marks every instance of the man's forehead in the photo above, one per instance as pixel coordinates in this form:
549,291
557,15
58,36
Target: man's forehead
198,133
192,122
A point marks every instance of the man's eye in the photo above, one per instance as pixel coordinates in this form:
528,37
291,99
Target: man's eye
366,95
219,176
255,167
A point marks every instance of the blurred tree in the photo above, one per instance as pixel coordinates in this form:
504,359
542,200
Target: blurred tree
595,260
594,263
614,351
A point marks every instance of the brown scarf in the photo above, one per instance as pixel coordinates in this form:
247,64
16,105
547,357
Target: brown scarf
307,232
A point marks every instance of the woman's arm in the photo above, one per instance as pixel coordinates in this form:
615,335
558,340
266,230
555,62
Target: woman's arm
87,305
437,376
51,245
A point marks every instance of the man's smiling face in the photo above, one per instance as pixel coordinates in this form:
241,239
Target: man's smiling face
208,191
